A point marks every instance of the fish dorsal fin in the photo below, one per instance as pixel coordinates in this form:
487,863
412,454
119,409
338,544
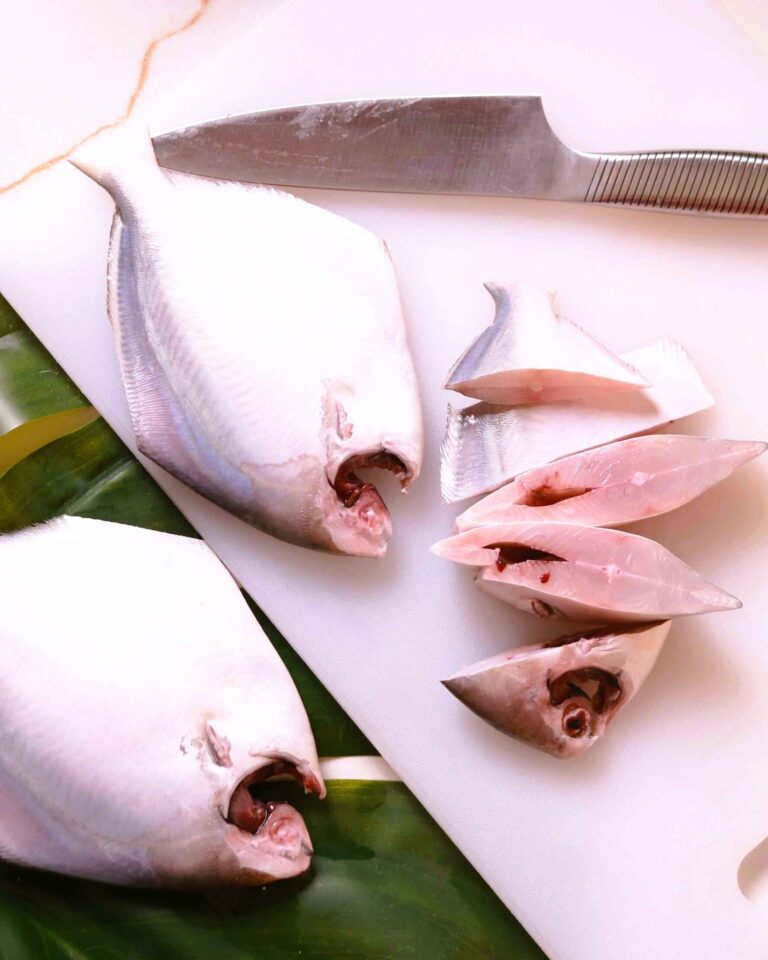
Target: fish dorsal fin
164,431
530,354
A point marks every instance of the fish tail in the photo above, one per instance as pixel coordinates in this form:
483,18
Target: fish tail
120,159
499,293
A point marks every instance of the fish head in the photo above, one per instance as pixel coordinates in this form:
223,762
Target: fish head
225,822
256,753
268,838
560,696
327,499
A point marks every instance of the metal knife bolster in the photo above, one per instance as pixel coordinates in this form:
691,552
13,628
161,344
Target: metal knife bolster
481,146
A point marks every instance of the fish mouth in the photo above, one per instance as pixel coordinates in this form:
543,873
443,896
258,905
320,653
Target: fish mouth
269,839
364,516
249,813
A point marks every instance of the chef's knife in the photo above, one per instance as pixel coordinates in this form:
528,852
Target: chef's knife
483,146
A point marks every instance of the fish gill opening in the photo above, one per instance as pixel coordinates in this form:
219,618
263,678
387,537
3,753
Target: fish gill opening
248,811
584,694
511,553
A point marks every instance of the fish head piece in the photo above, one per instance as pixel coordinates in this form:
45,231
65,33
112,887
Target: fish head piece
560,695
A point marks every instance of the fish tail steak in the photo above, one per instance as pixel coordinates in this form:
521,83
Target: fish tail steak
529,354
486,445
143,762
262,347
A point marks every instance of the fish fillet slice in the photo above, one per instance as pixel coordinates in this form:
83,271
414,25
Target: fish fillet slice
591,574
560,696
486,446
531,355
619,483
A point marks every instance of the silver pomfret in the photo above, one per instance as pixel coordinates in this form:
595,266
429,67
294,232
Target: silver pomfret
141,705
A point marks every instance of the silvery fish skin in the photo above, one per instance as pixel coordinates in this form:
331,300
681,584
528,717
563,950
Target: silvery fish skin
138,703
487,445
262,347
529,354
590,574
619,483
560,695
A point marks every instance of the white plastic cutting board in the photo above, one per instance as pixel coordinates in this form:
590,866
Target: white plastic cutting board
631,851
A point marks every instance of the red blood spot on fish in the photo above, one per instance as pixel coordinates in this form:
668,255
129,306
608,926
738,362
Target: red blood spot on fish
545,495
544,578
245,811
500,564
518,553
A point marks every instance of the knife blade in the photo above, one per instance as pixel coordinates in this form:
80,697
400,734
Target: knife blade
476,145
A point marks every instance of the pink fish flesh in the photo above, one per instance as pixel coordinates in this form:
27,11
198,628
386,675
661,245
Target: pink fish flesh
486,446
615,484
559,696
590,574
531,355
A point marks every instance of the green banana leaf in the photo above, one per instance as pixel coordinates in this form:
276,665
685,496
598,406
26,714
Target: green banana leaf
38,402
86,473
385,881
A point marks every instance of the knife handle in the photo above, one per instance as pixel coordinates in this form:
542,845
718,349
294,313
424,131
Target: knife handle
701,181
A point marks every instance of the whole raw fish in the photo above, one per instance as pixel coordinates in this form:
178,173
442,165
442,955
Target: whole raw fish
591,574
559,696
615,484
262,347
529,354
487,445
141,705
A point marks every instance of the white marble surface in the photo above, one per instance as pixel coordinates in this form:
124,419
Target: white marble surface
633,850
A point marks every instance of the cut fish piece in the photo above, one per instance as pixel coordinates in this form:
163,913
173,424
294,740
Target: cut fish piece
591,574
531,355
141,706
262,347
559,696
619,483
486,446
